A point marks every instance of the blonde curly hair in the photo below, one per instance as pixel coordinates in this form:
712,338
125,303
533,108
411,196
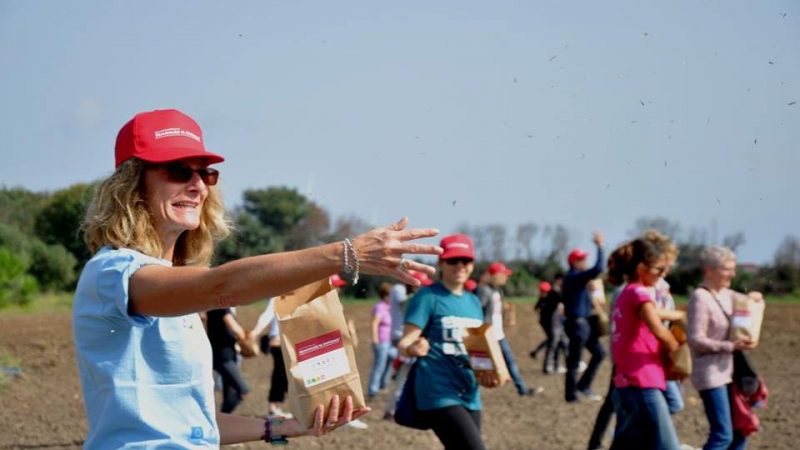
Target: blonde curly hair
118,216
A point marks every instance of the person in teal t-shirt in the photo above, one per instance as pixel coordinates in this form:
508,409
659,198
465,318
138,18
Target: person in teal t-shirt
435,323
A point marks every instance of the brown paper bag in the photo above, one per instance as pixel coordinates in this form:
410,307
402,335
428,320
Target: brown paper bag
746,319
484,352
318,350
679,364
509,315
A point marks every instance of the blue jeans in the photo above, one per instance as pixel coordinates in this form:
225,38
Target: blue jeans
383,354
643,420
513,370
721,435
674,396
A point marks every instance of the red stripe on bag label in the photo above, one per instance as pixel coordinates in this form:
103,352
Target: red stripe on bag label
319,345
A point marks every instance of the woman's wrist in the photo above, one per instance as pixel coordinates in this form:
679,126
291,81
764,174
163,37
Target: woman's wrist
275,431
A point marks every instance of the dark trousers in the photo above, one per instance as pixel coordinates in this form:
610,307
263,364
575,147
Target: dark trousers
234,387
581,335
603,417
457,428
279,384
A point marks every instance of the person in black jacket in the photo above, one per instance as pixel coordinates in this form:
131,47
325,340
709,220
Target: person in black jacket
223,334
550,318
577,309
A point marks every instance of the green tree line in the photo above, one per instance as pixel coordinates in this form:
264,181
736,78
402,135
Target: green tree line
42,249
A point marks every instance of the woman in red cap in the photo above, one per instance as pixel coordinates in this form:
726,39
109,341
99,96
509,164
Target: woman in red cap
143,357
436,319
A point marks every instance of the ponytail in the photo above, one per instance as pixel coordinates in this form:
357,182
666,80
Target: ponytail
623,261
618,263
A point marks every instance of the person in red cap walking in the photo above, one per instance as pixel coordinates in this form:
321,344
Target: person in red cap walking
577,309
551,321
445,387
492,303
144,360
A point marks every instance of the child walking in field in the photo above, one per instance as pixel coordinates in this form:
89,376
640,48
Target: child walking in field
638,344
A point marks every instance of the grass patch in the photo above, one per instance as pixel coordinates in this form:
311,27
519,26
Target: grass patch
42,303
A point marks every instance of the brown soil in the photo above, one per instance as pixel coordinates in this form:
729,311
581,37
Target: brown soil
44,409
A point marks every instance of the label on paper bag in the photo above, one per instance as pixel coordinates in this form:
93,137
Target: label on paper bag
480,361
742,319
322,358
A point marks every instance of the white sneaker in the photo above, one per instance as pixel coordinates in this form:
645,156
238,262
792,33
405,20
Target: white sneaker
581,367
358,424
590,396
281,413
561,369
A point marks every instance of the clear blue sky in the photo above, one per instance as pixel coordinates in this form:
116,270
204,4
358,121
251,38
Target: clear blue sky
590,114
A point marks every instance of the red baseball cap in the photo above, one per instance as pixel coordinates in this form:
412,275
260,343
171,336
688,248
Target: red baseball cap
498,267
576,255
545,286
423,277
470,285
162,136
337,281
457,246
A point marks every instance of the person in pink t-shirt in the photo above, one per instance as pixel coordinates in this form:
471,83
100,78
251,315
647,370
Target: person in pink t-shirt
383,351
638,344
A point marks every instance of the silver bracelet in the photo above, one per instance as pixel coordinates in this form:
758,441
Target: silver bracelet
348,269
357,261
351,269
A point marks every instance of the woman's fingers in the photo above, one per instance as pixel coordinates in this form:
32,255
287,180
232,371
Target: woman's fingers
361,412
419,267
347,414
400,224
333,412
421,249
318,428
417,233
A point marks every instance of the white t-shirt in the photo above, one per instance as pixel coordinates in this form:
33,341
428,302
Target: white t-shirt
497,315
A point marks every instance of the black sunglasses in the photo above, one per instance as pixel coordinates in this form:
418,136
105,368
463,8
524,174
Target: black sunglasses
183,173
455,261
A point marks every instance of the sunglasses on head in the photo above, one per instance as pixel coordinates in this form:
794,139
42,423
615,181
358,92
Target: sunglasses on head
183,173
456,261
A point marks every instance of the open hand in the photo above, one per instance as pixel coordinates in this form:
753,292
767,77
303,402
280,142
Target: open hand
337,416
380,251
598,239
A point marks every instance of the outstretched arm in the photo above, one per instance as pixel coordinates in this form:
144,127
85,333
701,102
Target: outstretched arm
173,291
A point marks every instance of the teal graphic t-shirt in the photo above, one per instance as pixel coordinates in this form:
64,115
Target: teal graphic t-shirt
444,377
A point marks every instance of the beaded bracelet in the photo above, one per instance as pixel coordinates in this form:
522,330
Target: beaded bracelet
268,437
351,269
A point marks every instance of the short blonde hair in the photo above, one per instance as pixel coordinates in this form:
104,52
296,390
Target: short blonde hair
118,216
